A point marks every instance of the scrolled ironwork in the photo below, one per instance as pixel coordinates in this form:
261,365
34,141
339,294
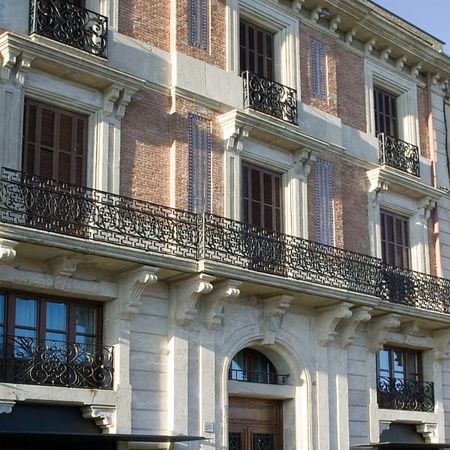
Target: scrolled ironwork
399,154
411,395
270,97
69,24
257,377
26,360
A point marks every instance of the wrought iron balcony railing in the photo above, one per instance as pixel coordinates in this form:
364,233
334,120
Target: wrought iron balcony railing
58,207
26,360
399,154
69,24
270,97
411,395
257,377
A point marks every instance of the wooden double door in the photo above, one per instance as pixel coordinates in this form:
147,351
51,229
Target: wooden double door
255,424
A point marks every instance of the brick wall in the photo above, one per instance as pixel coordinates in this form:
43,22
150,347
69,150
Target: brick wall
144,168
422,107
147,21
217,45
345,79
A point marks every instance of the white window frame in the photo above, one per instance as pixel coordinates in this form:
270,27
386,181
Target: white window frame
406,92
108,8
271,17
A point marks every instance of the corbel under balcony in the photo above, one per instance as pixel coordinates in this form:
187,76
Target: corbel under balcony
64,62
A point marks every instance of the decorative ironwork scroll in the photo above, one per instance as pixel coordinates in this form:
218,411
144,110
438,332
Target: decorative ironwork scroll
270,97
69,24
399,154
257,377
411,395
27,360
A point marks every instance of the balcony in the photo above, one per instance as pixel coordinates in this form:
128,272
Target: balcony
64,22
270,97
26,360
56,207
399,154
257,377
409,395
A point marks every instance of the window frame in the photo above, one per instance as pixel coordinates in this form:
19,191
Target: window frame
378,111
384,215
405,352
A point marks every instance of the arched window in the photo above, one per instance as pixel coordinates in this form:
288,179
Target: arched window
253,366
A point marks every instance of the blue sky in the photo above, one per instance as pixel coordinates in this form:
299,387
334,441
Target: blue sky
431,16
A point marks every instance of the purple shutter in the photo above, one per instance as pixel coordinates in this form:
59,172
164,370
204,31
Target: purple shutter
324,203
318,70
198,23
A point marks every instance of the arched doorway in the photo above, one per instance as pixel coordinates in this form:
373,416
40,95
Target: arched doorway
255,423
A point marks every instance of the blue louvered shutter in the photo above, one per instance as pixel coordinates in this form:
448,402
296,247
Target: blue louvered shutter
324,203
318,70
199,164
198,23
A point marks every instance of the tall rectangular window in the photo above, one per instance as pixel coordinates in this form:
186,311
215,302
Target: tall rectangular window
261,197
395,240
318,56
198,23
385,105
256,50
200,146
324,203
400,364
55,143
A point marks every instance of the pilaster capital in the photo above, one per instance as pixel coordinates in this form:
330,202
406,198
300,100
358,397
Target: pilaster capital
185,295
273,311
130,287
7,251
348,327
104,416
213,303
328,319
378,329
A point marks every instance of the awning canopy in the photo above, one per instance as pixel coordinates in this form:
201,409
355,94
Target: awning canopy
400,446
75,441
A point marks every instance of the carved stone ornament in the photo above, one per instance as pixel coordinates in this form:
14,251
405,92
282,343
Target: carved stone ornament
185,295
441,343
378,329
297,5
328,319
130,287
428,431
348,327
274,309
303,161
14,65
235,142
7,251
63,268
6,406
104,416
213,303
368,46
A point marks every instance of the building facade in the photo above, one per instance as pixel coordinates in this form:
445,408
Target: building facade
222,219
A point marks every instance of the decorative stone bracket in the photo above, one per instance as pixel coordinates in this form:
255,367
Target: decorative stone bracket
235,141
274,309
6,406
441,343
130,288
428,431
14,64
116,98
348,327
303,161
378,329
328,319
104,416
213,303
185,295
63,268
7,251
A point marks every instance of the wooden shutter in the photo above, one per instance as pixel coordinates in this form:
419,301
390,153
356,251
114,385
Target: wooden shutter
395,240
318,70
324,203
198,23
55,143
261,197
385,105
256,50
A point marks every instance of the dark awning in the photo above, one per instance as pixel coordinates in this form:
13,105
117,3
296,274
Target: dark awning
69,441
400,446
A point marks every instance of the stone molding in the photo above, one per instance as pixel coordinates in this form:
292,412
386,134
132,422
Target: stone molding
428,431
185,295
378,329
130,288
274,309
213,303
104,416
7,251
328,319
6,406
348,327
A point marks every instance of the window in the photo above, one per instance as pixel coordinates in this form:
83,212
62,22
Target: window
385,107
252,366
256,50
55,143
318,57
395,245
261,197
400,364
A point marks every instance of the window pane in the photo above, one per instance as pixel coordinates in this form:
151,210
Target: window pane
26,312
383,362
2,308
56,316
24,333
85,319
398,363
